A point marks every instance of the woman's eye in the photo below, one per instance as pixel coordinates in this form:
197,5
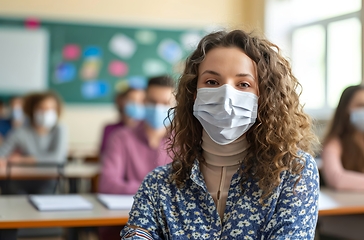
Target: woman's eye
211,82
244,85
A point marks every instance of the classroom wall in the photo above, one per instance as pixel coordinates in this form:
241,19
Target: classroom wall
85,122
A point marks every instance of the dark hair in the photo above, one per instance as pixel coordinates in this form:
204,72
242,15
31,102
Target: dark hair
125,93
32,101
281,128
161,81
352,156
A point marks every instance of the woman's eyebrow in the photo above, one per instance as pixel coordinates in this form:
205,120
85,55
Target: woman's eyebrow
245,75
211,72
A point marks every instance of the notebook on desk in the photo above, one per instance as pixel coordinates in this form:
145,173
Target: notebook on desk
59,202
116,202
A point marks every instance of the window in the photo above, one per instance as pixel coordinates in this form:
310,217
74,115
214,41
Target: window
323,40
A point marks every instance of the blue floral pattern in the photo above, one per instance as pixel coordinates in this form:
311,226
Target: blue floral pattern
168,212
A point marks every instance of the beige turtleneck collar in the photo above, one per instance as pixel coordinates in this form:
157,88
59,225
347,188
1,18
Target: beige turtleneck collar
221,163
223,155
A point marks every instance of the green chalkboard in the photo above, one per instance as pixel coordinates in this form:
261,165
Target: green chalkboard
89,63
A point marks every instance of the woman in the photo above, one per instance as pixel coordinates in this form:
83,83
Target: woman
241,144
43,140
343,147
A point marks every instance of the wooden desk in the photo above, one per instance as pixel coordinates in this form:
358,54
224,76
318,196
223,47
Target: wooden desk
71,170
340,203
17,212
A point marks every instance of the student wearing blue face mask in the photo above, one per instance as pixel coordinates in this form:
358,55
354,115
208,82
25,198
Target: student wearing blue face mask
343,146
13,118
17,115
131,153
130,106
241,148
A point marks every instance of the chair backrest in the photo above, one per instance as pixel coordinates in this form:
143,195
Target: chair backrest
36,172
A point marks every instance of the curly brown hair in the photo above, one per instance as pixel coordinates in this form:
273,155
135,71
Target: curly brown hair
281,130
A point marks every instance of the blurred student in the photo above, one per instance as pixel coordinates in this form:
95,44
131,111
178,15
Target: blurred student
13,118
131,153
343,146
130,107
43,140
16,111
5,124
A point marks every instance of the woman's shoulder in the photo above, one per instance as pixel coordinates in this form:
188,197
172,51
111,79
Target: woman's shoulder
22,130
159,177
59,129
333,144
309,167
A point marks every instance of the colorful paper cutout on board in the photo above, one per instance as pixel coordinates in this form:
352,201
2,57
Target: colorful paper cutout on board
92,51
122,46
170,51
71,52
118,68
138,82
153,67
145,37
190,40
95,89
32,23
90,69
122,85
65,72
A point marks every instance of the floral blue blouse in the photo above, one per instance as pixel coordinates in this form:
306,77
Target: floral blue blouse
168,212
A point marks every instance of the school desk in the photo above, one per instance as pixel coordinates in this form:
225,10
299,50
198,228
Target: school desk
17,212
341,214
333,202
71,170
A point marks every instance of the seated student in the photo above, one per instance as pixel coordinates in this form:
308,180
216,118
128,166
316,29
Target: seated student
343,146
5,124
131,153
241,144
16,111
14,119
130,107
43,140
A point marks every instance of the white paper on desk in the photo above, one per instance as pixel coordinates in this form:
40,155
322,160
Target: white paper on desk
60,202
116,202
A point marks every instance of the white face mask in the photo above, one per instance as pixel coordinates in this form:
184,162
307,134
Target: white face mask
357,118
17,114
225,113
47,119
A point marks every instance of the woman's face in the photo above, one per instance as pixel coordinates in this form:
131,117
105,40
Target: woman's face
47,104
46,115
228,65
357,101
